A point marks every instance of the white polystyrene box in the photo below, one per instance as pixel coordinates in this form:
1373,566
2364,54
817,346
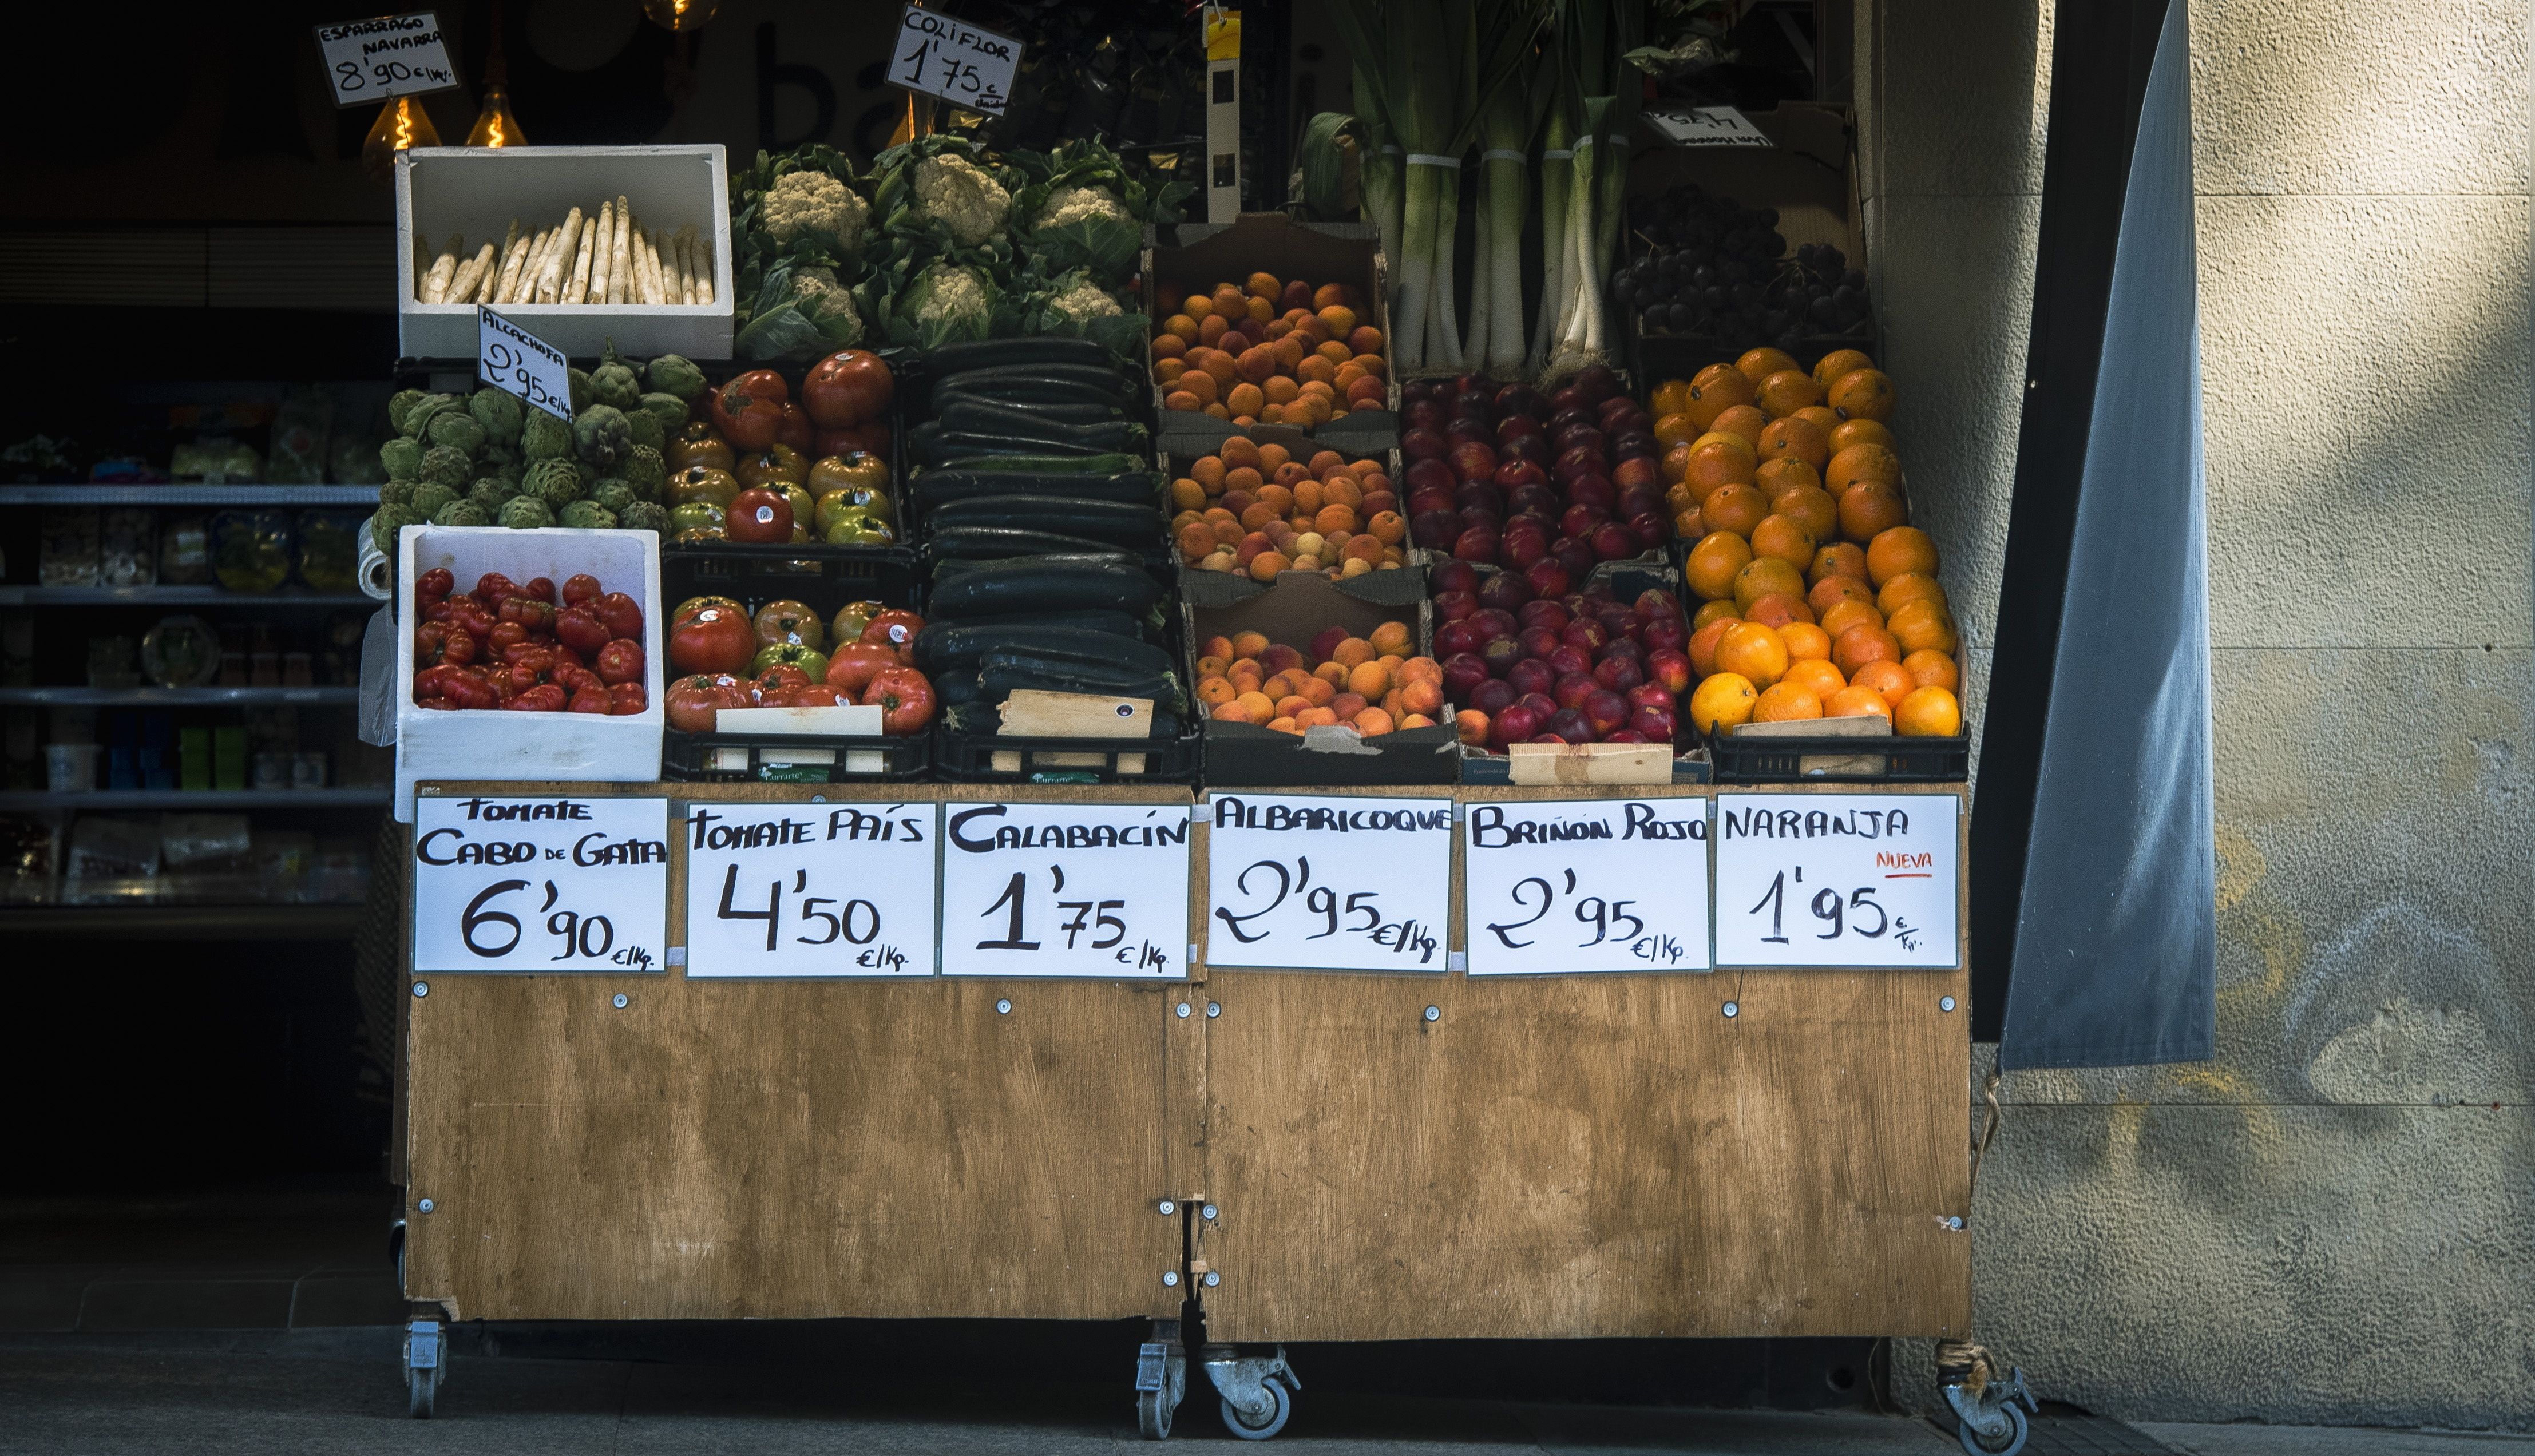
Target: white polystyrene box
507,747
476,191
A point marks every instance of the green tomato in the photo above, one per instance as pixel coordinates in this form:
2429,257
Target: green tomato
852,528
793,654
697,517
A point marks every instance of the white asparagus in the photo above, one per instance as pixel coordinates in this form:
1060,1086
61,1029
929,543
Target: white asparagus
515,256
576,288
702,251
492,274
686,289
559,258
640,292
444,268
620,257
532,275
597,247
652,278
471,276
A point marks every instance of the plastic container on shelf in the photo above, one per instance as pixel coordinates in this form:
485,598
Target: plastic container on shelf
490,745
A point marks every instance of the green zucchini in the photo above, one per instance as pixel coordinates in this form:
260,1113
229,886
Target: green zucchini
949,447
1108,624
943,646
1063,412
996,543
941,487
1033,584
1039,349
1044,464
999,673
1103,520
985,417
958,687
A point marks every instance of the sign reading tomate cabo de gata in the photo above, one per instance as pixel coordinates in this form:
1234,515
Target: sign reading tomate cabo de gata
538,883
1066,889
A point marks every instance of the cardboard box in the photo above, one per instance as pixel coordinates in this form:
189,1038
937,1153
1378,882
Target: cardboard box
1202,255
477,192
1401,586
1291,610
505,747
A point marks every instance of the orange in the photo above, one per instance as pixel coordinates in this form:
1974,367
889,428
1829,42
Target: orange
1783,538
1838,559
1806,641
1816,674
1667,398
1676,428
1785,703
1713,562
1719,460
1701,649
1871,508
1860,644
1836,363
1734,508
1779,611
1725,699
1888,678
1754,652
1861,395
1910,588
1758,364
1766,576
1723,611
1689,524
1784,474
1795,438
1923,626
1862,462
1675,464
1820,417
1902,551
1861,431
1931,669
1843,614
1715,390
1788,390
1858,702
1928,712
1743,422
1814,510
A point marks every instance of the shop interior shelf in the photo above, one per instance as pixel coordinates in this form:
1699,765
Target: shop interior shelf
176,697
171,597
104,799
189,495
264,922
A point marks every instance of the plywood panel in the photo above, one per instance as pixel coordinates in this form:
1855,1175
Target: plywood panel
1586,1156
777,1149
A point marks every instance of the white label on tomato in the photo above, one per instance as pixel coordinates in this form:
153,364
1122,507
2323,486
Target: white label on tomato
1836,879
1555,886
539,883
765,516
1331,883
510,358
810,889
956,61
1066,889
394,55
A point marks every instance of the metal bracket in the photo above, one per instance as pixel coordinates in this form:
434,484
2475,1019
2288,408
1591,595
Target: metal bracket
424,1369
1990,1420
1161,1380
1243,1380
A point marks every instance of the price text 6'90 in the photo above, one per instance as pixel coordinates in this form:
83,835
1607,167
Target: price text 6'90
481,929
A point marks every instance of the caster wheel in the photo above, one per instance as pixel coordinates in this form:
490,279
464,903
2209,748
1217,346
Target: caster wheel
1153,1416
1275,1422
422,1388
1975,1447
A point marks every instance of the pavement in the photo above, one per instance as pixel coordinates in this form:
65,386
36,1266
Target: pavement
339,1391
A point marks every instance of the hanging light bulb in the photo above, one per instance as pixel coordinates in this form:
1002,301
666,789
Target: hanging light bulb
402,124
495,126
680,15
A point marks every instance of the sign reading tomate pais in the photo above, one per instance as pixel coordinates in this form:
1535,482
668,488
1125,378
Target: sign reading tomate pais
1066,889
810,889
538,883
1837,880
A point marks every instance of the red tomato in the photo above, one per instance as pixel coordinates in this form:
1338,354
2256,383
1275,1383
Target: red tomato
758,516
434,585
621,615
779,696
432,682
626,699
714,639
505,635
581,588
904,697
693,703
540,588
871,438
847,389
436,642
782,675
469,691
579,629
620,661
815,695
545,697
748,411
492,587
575,678
852,668
896,629
795,429
589,701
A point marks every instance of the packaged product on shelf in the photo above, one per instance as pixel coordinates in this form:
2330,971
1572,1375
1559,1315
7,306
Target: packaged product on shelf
110,858
181,652
127,546
251,549
329,551
184,549
27,853
215,461
66,555
300,430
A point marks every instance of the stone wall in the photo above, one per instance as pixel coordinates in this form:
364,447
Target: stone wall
2335,1219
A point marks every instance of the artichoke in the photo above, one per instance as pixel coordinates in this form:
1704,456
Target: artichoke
546,438
508,472
644,469
668,409
580,382
600,435
431,495
499,413
675,377
643,427
400,404
552,481
614,494
457,429
586,515
642,515
495,452
419,414
396,493
525,513
402,458
613,384
489,492
390,520
461,513
446,464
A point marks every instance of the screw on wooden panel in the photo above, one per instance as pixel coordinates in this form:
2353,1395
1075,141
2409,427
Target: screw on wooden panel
1944,1004
1213,1011
424,1206
1166,1208
818,798
621,999
1003,1008
1732,1010
1170,1279
1208,1210
423,988
1183,1011
1213,1278
1434,1013
1955,1223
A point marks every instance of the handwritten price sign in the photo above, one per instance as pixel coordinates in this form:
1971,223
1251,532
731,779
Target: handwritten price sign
539,883
1066,889
1329,884
960,63
1585,884
1836,879
810,890
377,60
510,357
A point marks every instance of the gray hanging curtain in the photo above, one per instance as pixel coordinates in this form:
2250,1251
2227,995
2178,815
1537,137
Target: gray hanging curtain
2111,935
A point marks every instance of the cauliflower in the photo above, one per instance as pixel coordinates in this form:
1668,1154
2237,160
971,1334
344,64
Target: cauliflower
816,293
1082,205
951,300
962,196
813,203
1084,300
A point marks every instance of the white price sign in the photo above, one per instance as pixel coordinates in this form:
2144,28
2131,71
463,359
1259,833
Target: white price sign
378,60
1837,880
956,61
1585,884
1066,889
539,883
510,357
810,889
1329,884
1706,126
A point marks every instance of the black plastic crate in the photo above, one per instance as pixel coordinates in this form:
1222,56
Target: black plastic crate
971,759
767,758
825,576
1741,759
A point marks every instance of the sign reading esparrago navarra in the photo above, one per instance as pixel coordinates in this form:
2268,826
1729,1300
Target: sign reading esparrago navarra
384,57
536,882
